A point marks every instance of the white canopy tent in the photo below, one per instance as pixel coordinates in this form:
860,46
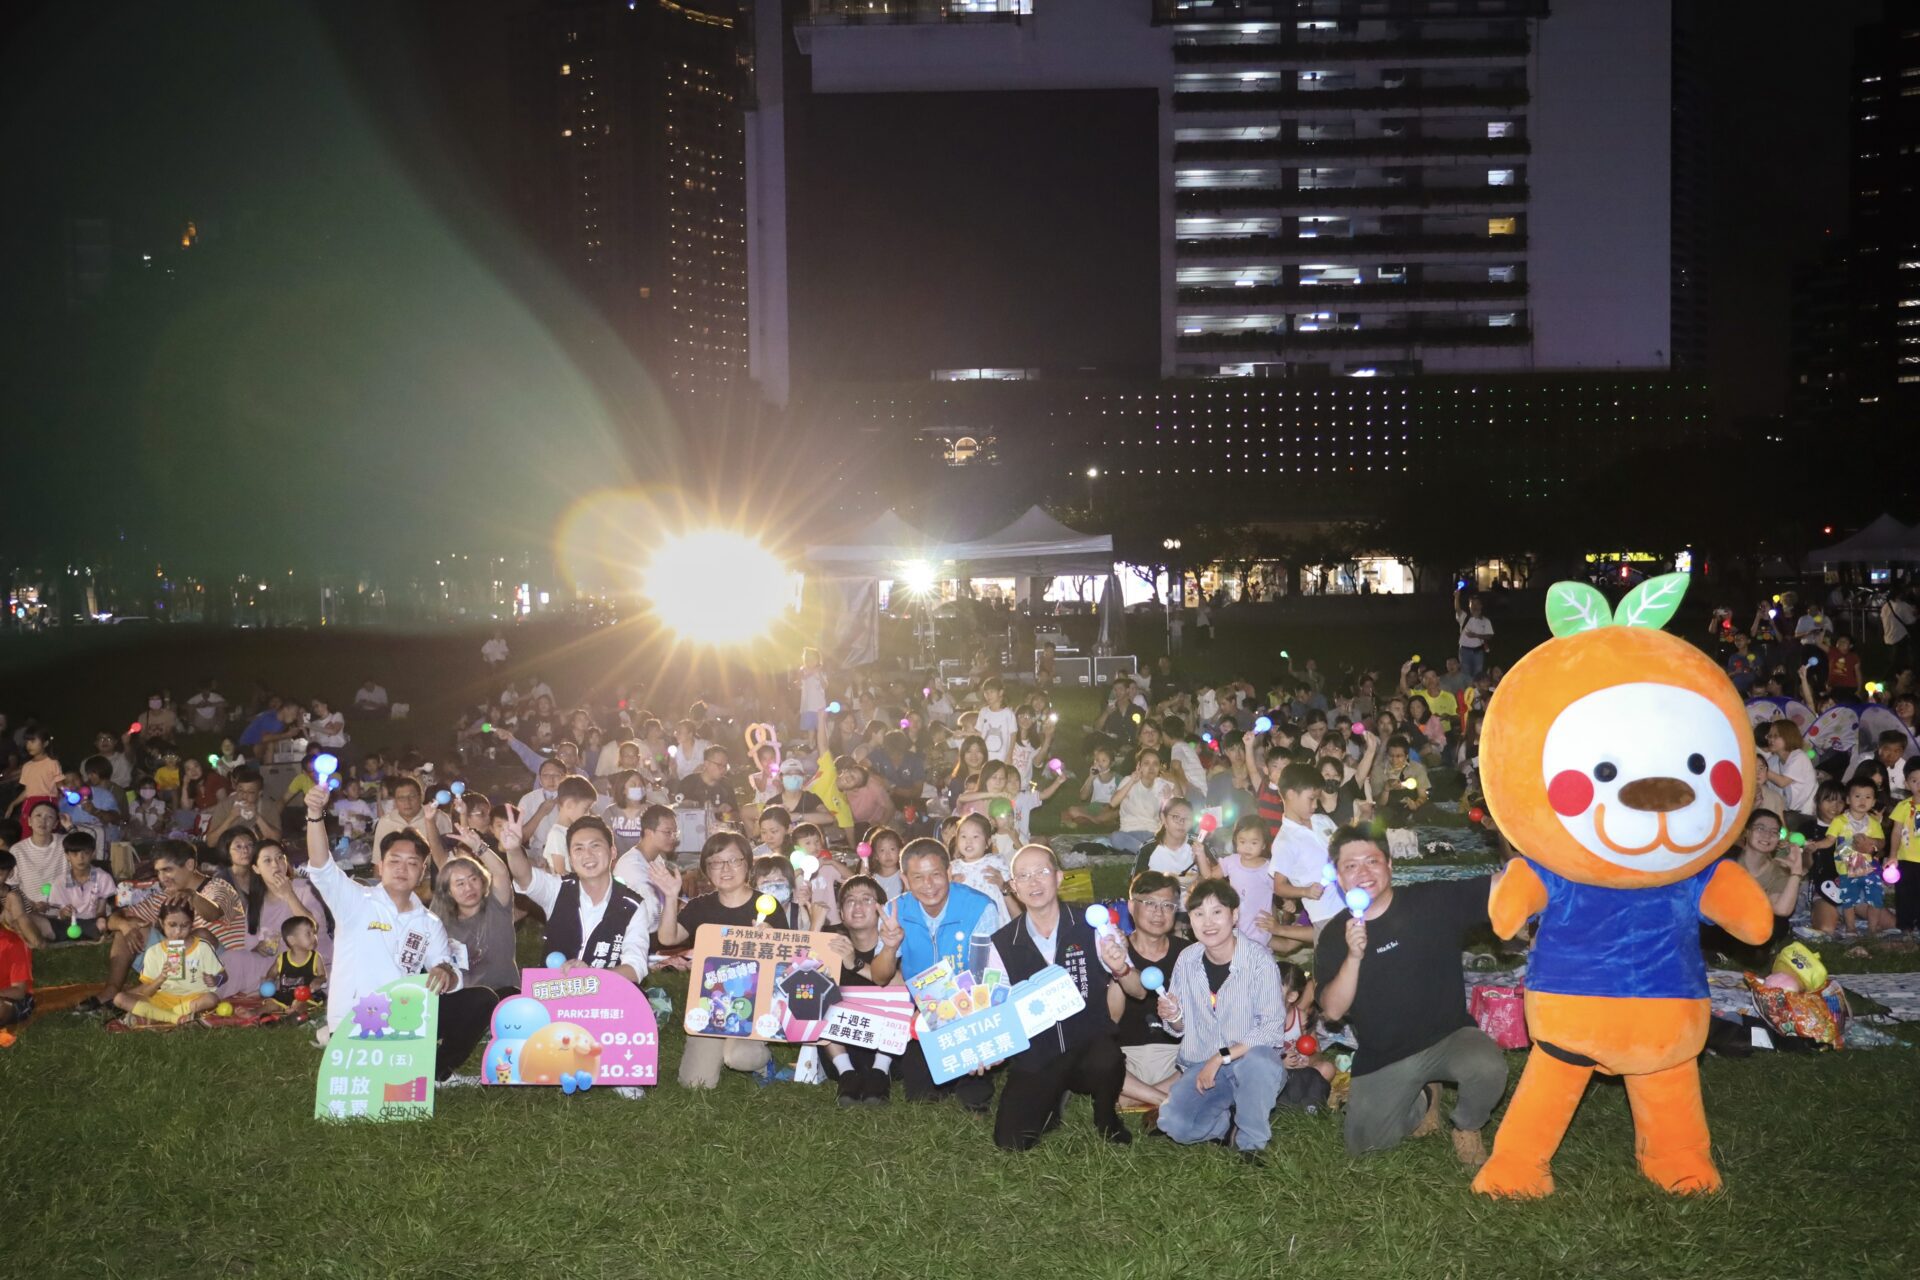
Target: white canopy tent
1885,541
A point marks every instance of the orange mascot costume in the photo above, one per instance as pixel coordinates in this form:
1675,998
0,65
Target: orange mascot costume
1619,761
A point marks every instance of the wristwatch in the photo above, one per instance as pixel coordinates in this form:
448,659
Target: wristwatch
1226,1056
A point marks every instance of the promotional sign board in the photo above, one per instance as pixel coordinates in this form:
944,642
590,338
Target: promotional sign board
748,982
378,1064
574,1030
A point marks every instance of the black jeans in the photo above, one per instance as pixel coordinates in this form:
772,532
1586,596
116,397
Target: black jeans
1030,1099
975,1092
465,1016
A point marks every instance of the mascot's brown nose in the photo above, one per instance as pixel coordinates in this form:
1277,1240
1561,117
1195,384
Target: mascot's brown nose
1656,795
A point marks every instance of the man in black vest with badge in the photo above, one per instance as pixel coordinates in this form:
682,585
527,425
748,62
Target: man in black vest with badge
1079,1053
592,919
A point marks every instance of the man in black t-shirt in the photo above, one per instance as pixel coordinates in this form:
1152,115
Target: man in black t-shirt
1393,973
1151,1051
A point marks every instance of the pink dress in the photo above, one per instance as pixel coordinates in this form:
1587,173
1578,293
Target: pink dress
247,968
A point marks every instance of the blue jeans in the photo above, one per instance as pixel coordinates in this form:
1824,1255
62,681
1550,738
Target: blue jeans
1472,661
1243,1093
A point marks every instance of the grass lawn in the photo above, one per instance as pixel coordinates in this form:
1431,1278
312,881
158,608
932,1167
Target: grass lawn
193,1154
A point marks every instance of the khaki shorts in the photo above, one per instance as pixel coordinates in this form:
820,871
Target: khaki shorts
1151,1063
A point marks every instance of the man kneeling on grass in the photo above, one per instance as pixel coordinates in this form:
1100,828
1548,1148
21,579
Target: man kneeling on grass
1393,973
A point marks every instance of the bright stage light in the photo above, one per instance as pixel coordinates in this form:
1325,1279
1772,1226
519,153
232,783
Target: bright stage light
917,577
716,587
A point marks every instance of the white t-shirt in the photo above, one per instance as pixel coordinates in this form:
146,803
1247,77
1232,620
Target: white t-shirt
374,942
1300,854
1474,632
207,710
330,732
1140,807
974,876
1172,859
371,697
38,865
631,871
997,730
529,804
494,650
813,691
1186,759
356,816
1023,806
1101,792
544,888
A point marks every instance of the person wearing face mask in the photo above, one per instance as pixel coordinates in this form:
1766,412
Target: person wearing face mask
159,720
148,818
775,878
625,809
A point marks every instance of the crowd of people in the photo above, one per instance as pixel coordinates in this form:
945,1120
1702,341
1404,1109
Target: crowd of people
897,813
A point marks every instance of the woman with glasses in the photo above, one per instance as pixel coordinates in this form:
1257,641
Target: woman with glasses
1150,1049
726,862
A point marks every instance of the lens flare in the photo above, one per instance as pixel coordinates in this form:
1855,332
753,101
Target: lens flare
716,587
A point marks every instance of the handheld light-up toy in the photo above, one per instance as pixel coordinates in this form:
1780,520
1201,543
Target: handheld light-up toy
1152,979
1358,900
555,960
326,769
764,905
1263,724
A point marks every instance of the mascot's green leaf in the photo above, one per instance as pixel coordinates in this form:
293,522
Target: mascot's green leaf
1652,602
1573,607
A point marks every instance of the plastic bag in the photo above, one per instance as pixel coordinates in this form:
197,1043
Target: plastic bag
1501,1012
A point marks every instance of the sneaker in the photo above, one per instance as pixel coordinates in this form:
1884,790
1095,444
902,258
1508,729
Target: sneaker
852,1088
458,1082
878,1091
1119,1135
631,1092
92,1004
766,1074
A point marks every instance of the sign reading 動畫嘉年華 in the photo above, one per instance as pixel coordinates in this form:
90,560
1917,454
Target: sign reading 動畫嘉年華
748,982
378,1063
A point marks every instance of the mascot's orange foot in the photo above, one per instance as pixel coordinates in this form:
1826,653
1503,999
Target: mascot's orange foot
1683,1175
1512,1178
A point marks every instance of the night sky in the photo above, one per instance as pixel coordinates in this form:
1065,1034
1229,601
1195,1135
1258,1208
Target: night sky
363,351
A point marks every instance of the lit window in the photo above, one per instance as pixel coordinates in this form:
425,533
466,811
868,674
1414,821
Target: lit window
1500,177
1502,275
1503,320
1910,302
1499,128
566,68
1502,226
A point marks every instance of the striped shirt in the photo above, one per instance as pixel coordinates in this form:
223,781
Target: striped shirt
1250,1009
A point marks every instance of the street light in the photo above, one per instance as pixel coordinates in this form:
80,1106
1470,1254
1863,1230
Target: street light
1093,473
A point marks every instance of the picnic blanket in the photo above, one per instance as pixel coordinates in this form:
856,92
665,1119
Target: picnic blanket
248,1011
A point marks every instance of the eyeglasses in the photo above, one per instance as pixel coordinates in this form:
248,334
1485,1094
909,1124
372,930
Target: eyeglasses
726,863
1158,905
1032,877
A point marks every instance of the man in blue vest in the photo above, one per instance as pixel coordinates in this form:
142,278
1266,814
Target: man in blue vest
1078,1053
939,920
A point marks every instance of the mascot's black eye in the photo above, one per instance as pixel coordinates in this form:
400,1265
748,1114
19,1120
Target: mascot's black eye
1606,771
1696,763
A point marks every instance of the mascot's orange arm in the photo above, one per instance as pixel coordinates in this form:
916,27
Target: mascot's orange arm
1734,900
1518,894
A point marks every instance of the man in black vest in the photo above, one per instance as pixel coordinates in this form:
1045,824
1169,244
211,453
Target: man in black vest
1079,1054
592,919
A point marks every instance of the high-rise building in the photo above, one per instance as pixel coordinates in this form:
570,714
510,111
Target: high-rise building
1885,205
630,173
1346,187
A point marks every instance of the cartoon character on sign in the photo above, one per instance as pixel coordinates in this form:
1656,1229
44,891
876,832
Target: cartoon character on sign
1618,760
557,1050
409,1010
370,1015
514,1019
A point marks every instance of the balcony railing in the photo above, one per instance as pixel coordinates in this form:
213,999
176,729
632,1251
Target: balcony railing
1271,340
1411,98
1256,247
1311,294
1331,51
1244,149
1202,199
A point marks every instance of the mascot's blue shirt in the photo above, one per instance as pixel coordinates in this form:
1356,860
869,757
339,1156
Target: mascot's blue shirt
1596,941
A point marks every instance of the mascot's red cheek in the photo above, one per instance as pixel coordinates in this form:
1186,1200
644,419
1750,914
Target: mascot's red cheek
1571,792
1727,782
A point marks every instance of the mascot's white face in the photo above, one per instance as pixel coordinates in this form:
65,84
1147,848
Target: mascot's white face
1645,776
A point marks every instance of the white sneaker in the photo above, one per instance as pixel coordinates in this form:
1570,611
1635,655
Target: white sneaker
632,1092
458,1082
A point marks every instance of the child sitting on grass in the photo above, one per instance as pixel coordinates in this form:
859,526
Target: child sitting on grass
299,964
16,979
1096,795
82,896
977,865
1309,1075
178,974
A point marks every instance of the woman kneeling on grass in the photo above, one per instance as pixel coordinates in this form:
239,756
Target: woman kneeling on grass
1224,998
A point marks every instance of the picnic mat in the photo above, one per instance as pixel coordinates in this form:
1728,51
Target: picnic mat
248,1011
